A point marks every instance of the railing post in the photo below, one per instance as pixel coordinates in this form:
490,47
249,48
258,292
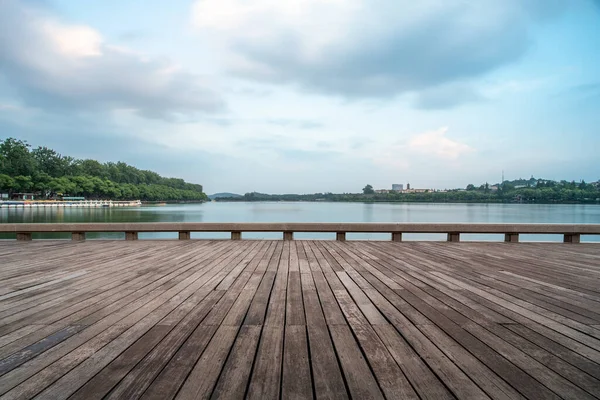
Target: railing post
78,236
236,235
511,237
131,236
454,237
287,235
25,236
340,236
184,235
572,238
396,236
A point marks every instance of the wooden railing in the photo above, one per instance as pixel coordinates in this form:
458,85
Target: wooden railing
572,232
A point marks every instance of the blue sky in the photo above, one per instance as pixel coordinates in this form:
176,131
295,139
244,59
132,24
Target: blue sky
309,95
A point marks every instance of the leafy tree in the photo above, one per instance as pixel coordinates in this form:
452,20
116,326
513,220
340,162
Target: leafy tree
6,183
23,183
92,168
15,158
51,162
368,190
49,173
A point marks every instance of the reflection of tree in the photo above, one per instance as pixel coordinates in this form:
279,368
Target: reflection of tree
176,213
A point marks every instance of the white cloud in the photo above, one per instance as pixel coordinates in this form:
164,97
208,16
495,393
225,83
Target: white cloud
74,41
55,65
320,23
369,48
436,143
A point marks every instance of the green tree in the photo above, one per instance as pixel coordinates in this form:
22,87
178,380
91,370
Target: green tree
6,183
23,183
368,190
15,158
92,168
51,162
41,182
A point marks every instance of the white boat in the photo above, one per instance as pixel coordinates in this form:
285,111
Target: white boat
70,204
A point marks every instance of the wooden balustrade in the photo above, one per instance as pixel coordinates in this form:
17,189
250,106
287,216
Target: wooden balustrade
572,232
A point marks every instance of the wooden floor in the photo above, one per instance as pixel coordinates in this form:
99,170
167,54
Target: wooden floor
300,319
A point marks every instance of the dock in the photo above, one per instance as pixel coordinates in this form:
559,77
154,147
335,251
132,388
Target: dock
29,204
298,319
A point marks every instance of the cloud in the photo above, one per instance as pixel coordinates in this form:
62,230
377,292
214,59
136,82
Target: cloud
54,65
8,107
447,96
370,48
306,124
436,143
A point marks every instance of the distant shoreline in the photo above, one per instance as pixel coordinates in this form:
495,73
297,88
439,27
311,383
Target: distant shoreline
223,200
532,191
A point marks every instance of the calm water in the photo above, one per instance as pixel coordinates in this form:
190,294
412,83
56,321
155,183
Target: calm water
321,212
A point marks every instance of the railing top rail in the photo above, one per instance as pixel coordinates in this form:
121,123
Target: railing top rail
353,227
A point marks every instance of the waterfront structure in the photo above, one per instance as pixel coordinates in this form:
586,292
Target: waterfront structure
68,203
571,232
272,319
416,191
23,196
398,187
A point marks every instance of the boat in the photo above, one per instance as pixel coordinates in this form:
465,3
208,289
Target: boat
68,203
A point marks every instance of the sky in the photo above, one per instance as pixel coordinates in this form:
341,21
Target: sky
307,96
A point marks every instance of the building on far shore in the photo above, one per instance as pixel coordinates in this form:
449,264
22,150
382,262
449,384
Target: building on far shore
23,196
399,188
416,191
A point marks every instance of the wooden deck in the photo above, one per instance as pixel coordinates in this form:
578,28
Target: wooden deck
299,319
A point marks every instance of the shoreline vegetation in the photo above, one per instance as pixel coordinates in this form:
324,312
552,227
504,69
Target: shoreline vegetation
532,191
48,174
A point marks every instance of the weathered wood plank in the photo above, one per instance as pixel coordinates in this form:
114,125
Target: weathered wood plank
330,319
361,382
202,379
265,382
236,372
296,380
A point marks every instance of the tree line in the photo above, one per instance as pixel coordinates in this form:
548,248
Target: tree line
49,174
518,191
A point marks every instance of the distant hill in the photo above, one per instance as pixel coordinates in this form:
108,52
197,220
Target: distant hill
223,195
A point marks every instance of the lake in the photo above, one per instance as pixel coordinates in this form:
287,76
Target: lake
319,212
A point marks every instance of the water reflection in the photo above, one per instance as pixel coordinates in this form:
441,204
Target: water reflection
368,212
